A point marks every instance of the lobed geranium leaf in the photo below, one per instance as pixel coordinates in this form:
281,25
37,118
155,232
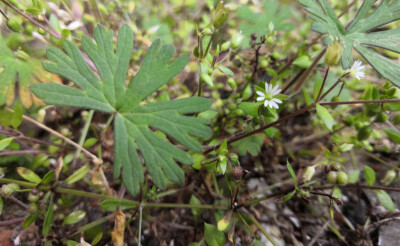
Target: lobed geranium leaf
358,35
107,92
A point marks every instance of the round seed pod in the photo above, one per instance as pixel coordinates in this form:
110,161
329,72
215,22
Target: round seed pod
236,174
332,177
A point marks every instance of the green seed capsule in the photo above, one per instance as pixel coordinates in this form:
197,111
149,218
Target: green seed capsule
342,178
381,117
364,133
332,175
232,84
32,208
33,197
13,25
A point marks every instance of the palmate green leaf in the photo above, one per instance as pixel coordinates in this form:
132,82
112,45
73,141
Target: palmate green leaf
259,22
107,92
359,36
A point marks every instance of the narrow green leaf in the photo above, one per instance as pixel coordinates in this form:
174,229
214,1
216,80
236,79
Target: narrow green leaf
48,177
369,175
97,238
5,142
78,174
90,142
393,135
74,217
29,175
213,236
112,205
385,200
30,219
325,116
292,173
289,196
226,71
48,219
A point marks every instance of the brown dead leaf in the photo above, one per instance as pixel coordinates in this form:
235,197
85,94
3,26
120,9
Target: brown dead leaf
117,234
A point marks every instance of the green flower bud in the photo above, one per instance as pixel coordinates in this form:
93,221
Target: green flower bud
342,178
222,158
396,119
13,25
236,40
364,133
309,173
32,208
239,112
232,84
225,45
381,117
33,197
264,63
333,53
196,51
332,175
5,191
220,15
389,177
270,40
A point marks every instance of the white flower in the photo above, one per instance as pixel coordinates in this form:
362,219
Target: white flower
357,70
268,96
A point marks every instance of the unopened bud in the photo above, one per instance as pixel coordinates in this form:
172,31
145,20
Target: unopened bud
41,115
236,40
333,53
13,25
308,173
220,15
232,84
389,177
22,55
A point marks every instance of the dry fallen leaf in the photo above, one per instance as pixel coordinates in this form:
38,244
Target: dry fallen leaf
117,234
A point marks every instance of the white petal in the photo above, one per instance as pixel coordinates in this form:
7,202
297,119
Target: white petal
275,89
266,87
276,100
260,99
274,105
266,103
260,93
270,88
276,92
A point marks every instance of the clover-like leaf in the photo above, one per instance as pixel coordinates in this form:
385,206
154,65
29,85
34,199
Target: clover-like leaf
359,33
134,120
259,22
19,67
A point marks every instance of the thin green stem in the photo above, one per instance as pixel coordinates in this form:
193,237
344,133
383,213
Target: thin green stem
215,182
259,226
380,160
84,134
140,225
208,45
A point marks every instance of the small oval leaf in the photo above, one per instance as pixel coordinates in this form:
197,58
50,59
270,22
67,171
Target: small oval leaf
29,175
74,217
325,116
5,142
385,200
30,219
369,175
78,174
